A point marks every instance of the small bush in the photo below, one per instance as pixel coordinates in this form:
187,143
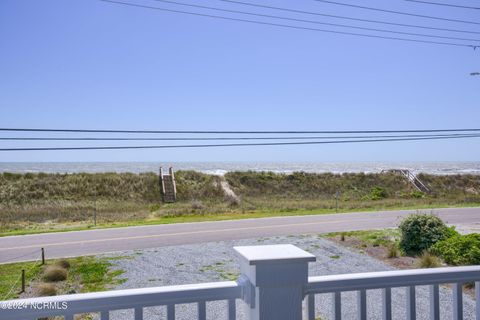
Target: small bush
46,289
459,250
197,205
428,260
393,251
377,193
420,231
63,263
54,274
232,200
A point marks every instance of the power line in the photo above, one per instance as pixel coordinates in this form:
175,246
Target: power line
444,4
240,132
294,27
397,12
348,18
315,22
231,144
227,138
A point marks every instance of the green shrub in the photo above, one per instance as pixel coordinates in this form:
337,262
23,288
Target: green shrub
415,194
459,250
420,231
377,193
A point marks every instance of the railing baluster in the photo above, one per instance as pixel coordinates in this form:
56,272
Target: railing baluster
171,312
310,306
105,315
337,305
434,302
477,299
202,310
362,304
387,304
138,313
457,301
411,304
232,309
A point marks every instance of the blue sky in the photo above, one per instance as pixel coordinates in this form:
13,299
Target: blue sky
91,64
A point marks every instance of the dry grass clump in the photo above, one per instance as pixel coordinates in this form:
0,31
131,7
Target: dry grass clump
63,263
428,260
46,289
55,273
393,251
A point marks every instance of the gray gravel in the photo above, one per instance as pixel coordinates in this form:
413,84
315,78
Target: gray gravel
216,261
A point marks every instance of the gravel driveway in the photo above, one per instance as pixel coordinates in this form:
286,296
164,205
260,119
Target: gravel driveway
216,261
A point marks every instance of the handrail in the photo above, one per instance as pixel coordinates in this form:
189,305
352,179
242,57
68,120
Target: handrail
122,299
386,279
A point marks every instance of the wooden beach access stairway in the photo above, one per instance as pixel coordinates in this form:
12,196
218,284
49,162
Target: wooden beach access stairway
412,178
168,186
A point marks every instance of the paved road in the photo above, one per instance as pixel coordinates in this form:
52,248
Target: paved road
77,243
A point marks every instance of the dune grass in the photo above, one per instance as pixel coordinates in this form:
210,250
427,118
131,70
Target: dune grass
33,203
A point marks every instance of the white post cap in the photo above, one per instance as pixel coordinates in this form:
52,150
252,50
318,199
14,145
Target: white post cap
273,254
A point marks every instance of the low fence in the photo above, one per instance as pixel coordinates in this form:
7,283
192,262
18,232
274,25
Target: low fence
274,285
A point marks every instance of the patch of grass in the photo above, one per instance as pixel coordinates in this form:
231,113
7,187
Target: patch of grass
88,274
383,237
335,257
95,274
10,275
219,269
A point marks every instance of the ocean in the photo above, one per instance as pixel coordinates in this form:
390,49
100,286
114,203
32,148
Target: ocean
219,168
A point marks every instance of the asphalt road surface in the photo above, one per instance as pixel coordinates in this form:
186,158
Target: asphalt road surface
78,243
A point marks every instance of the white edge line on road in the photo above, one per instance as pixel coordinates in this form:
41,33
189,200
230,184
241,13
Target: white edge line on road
306,216
174,234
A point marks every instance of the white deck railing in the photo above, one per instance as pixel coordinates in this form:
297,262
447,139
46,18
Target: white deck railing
409,279
274,286
136,299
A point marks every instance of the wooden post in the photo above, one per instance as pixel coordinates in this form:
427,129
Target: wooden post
161,182
172,175
23,281
43,256
278,275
